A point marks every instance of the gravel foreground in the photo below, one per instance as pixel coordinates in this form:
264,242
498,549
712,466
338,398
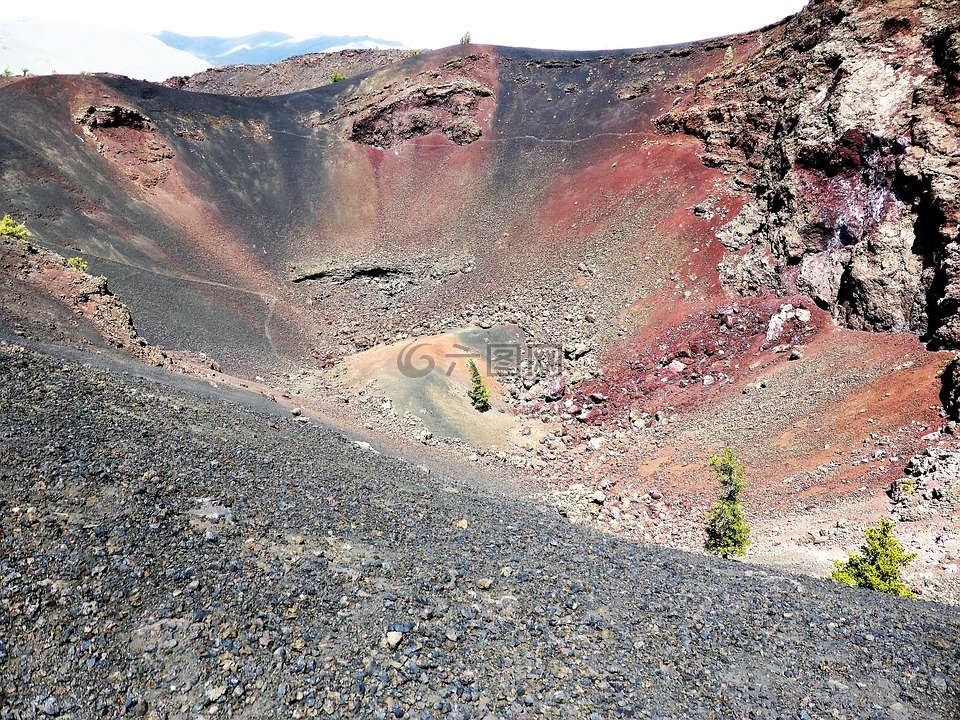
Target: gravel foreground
166,554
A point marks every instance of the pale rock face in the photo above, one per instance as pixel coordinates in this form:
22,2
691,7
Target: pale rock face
884,280
785,315
875,96
748,274
677,366
738,232
820,275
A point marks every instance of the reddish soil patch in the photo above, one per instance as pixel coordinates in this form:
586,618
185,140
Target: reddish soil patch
688,362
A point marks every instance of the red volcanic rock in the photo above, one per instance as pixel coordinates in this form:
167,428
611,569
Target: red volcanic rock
418,106
419,111
128,137
717,347
555,389
590,417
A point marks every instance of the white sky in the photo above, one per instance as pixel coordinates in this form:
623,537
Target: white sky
598,25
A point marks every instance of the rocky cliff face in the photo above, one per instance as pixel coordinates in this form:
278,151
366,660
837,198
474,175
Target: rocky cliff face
843,126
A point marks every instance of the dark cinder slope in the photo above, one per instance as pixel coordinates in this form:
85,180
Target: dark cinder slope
229,200
164,554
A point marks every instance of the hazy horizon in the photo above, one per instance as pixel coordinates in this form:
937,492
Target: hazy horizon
434,24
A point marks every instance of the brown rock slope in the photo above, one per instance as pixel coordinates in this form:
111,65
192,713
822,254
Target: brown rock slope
303,72
696,242
45,298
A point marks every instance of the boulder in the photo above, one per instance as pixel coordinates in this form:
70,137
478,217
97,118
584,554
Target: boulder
950,391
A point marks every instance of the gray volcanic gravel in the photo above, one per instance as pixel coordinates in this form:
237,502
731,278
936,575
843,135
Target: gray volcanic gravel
168,554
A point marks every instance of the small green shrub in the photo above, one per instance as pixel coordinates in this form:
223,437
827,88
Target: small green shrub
11,228
479,393
465,40
414,53
77,263
726,529
901,490
878,567
337,76
7,72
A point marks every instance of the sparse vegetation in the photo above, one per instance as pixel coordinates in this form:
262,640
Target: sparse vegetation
7,72
11,228
728,533
728,55
479,393
78,263
414,53
908,486
337,76
465,40
26,71
902,490
878,567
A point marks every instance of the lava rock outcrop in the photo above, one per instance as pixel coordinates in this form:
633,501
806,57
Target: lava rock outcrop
842,124
420,110
131,141
950,394
416,108
112,116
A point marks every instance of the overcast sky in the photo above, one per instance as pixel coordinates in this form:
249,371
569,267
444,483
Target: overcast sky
598,25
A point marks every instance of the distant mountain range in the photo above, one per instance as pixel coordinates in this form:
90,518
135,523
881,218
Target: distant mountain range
45,47
267,47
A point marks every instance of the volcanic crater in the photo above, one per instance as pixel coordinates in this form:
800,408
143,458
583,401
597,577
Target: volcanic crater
652,254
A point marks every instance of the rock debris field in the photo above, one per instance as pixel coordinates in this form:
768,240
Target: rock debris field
166,553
